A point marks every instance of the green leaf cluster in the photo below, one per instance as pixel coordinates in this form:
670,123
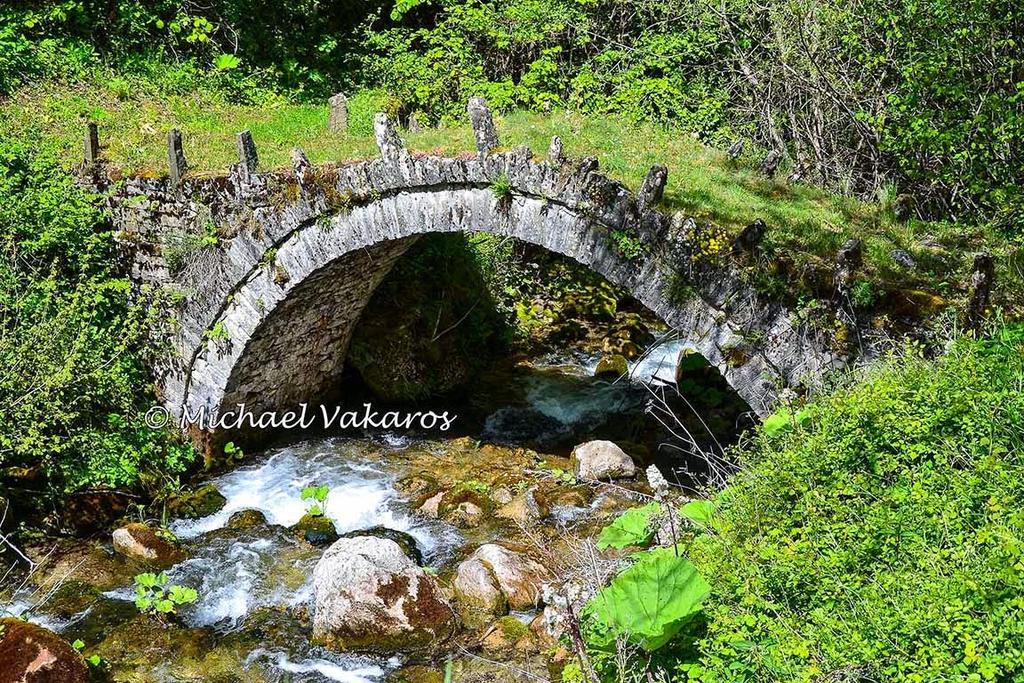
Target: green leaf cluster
317,498
153,595
632,528
648,603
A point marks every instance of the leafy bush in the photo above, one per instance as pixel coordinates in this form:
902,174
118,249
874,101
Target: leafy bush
73,387
880,536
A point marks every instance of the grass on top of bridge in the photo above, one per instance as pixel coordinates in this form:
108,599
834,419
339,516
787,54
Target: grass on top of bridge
806,225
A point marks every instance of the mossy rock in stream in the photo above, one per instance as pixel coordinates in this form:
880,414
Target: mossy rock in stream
508,636
418,487
406,542
612,367
317,530
418,673
156,547
465,506
574,496
246,519
200,502
147,647
72,597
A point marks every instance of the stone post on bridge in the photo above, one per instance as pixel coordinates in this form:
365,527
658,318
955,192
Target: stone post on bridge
248,159
92,145
483,126
653,188
338,121
176,157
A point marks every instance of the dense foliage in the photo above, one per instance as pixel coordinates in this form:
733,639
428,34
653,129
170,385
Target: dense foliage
926,97
72,381
879,538
929,96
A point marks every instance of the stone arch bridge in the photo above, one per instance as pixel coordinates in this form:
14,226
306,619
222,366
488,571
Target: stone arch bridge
269,272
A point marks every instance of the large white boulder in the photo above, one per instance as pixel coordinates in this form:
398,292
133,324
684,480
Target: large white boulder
368,595
601,460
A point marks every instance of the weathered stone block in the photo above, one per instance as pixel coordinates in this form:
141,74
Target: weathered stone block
388,141
653,187
556,155
338,121
483,125
248,159
92,144
176,157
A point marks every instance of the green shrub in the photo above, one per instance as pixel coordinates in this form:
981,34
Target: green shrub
73,387
879,536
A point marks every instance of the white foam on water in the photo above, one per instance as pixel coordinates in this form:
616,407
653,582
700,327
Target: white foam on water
361,494
22,606
233,572
658,363
344,669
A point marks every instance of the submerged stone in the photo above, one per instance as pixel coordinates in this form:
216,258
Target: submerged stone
525,508
508,636
612,367
246,519
464,506
72,597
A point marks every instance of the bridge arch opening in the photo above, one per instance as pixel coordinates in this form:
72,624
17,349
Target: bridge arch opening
417,321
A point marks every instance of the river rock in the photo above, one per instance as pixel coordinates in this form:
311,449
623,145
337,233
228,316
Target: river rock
406,542
32,654
464,507
612,367
495,578
506,636
430,505
200,502
417,486
576,496
144,543
246,519
601,460
467,514
501,496
369,595
318,530
524,508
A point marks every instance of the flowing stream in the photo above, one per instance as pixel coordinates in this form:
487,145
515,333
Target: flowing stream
244,576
